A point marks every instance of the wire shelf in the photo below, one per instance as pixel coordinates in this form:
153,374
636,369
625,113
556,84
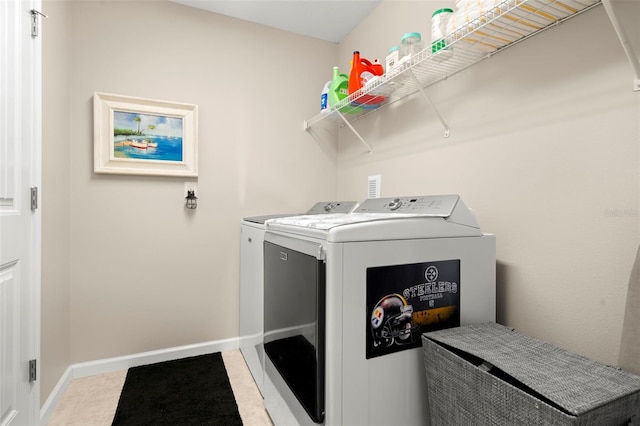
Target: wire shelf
478,38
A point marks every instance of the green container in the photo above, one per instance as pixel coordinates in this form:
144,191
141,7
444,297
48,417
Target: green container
339,90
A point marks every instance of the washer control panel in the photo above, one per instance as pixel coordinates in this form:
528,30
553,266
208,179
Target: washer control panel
435,205
324,207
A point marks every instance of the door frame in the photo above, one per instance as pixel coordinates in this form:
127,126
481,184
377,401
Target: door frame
36,223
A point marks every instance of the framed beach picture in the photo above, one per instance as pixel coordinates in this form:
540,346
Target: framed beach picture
139,136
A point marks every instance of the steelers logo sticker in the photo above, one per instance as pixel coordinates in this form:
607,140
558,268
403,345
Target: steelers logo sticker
431,274
376,317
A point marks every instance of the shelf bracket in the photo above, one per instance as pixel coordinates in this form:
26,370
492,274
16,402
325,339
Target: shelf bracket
355,132
624,40
426,98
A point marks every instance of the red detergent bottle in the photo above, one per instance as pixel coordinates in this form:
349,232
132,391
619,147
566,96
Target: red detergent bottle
362,70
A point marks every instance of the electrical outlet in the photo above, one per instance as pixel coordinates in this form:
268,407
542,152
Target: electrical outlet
190,186
373,186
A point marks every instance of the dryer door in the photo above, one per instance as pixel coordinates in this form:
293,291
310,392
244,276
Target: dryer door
294,306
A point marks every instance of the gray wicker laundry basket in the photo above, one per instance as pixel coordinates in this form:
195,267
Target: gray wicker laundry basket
487,374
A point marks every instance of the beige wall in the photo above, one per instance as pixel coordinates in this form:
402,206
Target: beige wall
127,268
55,198
146,272
544,146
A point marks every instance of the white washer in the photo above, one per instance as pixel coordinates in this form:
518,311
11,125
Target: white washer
251,283
348,297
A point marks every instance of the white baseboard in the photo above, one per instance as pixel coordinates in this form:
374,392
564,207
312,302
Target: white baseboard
56,394
107,365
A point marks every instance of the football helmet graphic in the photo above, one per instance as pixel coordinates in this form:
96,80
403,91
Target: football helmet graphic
391,322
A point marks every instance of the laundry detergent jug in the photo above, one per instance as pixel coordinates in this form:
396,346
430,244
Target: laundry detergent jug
363,71
338,90
324,97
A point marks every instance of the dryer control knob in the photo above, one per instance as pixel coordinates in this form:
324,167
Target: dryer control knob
395,204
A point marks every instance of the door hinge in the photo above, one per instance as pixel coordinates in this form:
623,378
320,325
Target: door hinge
34,21
33,371
34,198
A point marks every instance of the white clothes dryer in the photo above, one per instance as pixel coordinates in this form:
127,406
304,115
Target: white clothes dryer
251,283
347,298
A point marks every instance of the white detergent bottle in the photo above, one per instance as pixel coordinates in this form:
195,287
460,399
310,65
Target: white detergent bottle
324,98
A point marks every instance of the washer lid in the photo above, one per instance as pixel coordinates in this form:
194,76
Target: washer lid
263,219
321,207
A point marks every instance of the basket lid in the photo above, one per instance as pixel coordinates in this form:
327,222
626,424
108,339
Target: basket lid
571,381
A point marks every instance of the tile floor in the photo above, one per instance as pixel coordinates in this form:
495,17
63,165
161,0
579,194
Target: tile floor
92,401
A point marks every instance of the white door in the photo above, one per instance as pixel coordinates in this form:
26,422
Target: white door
20,88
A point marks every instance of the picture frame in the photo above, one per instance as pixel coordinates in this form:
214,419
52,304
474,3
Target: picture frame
138,136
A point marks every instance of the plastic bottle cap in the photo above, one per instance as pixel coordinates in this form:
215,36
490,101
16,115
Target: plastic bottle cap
393,48
445,10
411,35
